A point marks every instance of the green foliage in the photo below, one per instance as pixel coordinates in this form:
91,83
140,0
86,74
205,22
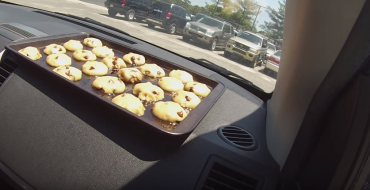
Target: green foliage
274,29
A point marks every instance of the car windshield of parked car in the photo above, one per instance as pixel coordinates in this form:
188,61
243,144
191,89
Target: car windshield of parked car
251,37
271,47
278,53
211,22
167,24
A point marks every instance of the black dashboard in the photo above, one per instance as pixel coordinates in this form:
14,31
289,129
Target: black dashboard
51,139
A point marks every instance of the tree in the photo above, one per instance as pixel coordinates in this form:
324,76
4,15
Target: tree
274,29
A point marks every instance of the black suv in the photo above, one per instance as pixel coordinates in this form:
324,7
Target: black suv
168,16
130,8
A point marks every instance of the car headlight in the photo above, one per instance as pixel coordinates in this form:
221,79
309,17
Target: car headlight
209,32
252,50
187,25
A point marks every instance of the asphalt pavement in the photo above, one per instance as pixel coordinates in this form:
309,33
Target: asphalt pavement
95,9
95,2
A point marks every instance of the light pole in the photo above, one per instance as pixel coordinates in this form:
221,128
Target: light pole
218,1
255,18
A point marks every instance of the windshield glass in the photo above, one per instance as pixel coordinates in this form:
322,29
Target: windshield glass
271,47
211,22
186,29
251,37
278,53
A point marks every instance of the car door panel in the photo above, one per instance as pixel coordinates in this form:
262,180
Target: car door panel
155,12
141,8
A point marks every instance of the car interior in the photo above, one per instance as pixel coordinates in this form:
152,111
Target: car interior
311,133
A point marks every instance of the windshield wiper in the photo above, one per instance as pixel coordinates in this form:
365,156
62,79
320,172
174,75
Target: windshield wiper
226,73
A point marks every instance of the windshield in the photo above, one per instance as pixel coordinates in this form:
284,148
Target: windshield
211,22
271,47
159,23
251,37
278,53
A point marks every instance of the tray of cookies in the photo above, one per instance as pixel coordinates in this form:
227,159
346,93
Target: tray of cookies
154,91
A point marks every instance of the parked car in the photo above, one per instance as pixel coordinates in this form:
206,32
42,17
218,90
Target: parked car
236,32
250,46
168,16
271,49
199,16
209,31
273,62
130,8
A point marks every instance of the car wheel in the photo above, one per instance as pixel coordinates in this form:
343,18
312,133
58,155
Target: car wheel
227,54
112,12
130,15
213,45
151,25
172,28
254,63
185,38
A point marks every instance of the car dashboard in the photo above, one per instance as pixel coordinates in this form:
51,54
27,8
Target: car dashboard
51,138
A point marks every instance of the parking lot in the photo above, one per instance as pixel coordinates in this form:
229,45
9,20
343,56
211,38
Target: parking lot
95,9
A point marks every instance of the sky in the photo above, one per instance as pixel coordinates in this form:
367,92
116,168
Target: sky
263,16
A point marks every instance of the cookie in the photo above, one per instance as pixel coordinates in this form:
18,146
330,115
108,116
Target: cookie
59,59
54,48
169,111
130,103
92,42
109,84
181,75
95,68
131,75
68,72
152,70
73,45
103,51
148,91
114,63
134,59
170,84
31,52
84,55
198,88
186,99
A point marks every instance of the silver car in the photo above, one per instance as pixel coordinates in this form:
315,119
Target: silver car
271,49
273,62
209,31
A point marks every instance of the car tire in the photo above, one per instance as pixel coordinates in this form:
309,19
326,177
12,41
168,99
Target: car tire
185,38
227,54
255,62
212,46
112,12
171,29
130,15
151,25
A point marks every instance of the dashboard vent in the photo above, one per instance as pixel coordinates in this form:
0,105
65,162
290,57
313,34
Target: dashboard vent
224,178
17,30
238,137
6,69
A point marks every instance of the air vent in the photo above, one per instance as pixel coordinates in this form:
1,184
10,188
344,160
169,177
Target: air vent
6,69
238,137
224,178
17,30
